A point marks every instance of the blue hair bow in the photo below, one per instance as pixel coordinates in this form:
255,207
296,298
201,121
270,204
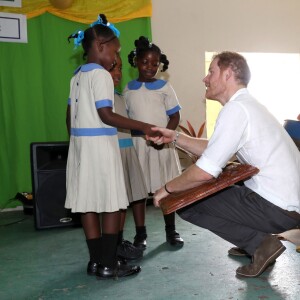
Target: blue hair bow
109,25
80,37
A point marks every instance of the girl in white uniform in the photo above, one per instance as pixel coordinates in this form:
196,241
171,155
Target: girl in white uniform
152,100
133,173
95,180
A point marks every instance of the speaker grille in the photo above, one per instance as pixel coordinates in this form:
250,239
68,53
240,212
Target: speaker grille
48,166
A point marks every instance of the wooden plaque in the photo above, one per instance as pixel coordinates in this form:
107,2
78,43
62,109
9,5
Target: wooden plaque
232,173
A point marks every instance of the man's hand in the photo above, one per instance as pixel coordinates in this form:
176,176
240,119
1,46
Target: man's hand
147,129
158,195
166,135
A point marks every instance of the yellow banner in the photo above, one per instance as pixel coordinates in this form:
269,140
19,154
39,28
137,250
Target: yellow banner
85,11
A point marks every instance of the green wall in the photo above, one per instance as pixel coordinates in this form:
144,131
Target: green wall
34,87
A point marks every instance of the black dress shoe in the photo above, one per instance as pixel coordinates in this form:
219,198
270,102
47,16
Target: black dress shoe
140,241
121,270
264,255
92,268
127,251
174,239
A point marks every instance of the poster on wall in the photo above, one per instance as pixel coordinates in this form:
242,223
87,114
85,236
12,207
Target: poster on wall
13,28
13,3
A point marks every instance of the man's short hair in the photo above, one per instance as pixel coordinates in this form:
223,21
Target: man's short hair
237,63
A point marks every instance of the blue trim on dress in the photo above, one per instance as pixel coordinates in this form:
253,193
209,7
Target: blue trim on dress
69,101
88,67
154,85
125,143
77,70
173,110
103,103
93,131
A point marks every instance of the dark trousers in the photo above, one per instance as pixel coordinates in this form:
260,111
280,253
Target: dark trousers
239,216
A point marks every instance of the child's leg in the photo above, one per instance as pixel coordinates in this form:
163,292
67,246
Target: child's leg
122,224
91,227
110,267
172,236
139,211
126,250
110,223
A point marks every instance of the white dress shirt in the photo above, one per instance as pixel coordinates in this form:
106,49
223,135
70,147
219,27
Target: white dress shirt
246,128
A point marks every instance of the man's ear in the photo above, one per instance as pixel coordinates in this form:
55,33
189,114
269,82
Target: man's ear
228,73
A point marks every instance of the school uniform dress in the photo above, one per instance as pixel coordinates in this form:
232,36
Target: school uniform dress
133,173
153,102
95,180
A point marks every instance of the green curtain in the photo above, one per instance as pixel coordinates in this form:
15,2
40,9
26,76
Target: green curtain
34,88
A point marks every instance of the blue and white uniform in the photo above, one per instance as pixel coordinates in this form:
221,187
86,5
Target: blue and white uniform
95,180
153,102
133,173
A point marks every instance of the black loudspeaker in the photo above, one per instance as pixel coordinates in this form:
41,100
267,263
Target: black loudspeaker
48,170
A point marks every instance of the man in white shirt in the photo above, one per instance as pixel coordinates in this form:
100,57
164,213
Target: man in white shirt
269,202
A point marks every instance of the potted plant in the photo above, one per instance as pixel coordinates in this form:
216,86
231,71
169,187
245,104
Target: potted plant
190,131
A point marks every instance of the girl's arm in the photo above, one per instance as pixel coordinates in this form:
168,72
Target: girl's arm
172,124
110,118
68,119
173,121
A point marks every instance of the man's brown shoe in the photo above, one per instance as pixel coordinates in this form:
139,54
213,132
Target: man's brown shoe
236,251
264,255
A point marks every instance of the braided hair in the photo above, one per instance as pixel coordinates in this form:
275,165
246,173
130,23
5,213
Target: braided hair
98,29
143,45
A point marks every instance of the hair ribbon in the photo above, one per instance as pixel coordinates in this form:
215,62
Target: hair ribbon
109,25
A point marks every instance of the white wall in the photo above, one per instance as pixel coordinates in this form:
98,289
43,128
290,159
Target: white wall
186,29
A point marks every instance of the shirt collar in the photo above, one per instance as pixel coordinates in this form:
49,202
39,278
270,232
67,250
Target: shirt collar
154,85
88,67
239,92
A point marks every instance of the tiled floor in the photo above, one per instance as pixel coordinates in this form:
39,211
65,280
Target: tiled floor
51,264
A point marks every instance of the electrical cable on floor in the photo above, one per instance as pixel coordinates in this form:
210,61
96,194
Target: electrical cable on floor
5,205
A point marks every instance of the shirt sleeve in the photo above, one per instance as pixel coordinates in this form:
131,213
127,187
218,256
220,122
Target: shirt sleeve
229,135
171,101
103,89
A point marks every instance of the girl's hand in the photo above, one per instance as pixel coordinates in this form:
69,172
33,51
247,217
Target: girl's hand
158,195
166,135
157,146
147,129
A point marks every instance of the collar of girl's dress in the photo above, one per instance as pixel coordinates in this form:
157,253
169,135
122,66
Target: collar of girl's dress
88,67
154,85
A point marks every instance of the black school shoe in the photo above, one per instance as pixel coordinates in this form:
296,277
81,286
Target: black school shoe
174,239
127,251
140,241
121,270
92,268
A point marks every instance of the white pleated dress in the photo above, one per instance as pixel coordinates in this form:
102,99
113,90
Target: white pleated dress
153,102
133,173
95,179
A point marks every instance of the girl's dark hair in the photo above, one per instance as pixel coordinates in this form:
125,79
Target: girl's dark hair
91,33
143,45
